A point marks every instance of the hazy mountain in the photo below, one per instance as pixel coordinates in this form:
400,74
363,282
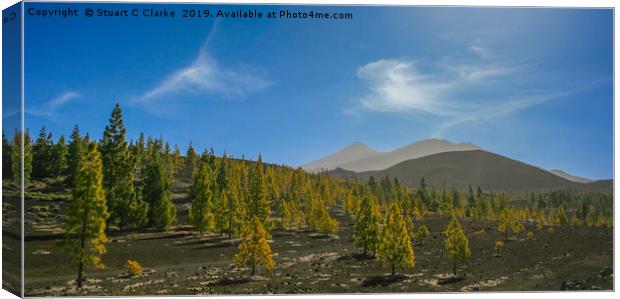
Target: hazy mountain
570,177
413,151
355,151
478,168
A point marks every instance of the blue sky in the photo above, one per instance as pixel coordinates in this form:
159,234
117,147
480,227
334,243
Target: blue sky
531,84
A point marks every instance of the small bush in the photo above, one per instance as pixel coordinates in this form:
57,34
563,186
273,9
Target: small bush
134,268
498,247
530,235
551,231
479,233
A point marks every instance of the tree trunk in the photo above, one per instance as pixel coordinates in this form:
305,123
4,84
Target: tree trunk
454,267
80,277
393,269
253,269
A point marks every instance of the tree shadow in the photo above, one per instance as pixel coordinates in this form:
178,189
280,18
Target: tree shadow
382,280
230,281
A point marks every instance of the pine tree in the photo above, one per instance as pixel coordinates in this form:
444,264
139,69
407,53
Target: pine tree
176,159
126,208
319,217
367,227
560,217
254,250
75,152
59,158
17,156
156,190
41,159
505,222
86,218
395,246
517,227
259,205
191,158
456,243
7,157
201,213
421,234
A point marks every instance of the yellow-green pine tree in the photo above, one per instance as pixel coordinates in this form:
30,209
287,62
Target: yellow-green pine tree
456,243
560,217
395,246
201,194
254,249
86,218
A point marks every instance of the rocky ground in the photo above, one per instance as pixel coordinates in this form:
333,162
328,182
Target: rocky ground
182,262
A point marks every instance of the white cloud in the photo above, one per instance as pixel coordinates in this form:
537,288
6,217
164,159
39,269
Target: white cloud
50,107
396,86
479,50
207,76
446,91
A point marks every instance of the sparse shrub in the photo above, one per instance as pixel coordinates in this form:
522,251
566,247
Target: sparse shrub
421,234
517,227
498,247
479,233
539,225
551,230
134,268
530,235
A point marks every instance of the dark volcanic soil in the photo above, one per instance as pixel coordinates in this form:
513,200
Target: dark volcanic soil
181,262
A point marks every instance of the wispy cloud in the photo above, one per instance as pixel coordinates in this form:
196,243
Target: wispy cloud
207,75
451,92
51,107
479,50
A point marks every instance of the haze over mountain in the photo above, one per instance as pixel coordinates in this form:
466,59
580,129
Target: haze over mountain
355,151
570,177
477,168
359,157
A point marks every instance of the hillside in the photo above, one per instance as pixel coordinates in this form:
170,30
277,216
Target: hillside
355,151
413,151
570,177
478,168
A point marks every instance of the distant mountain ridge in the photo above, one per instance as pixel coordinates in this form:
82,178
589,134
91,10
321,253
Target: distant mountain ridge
355,151
570,177
359,157
460,169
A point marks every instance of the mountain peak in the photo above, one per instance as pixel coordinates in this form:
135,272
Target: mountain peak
356,145
353,152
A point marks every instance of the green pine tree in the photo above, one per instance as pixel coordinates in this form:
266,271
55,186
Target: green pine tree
19,157
156,184
126,208
86,218
201,195
367,226
75,152
59,158
259,205
7,157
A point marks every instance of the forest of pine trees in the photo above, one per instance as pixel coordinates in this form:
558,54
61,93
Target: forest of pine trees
126,185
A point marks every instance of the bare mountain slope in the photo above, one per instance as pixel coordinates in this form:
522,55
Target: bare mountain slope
478,168
413,151
353,152
570,177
